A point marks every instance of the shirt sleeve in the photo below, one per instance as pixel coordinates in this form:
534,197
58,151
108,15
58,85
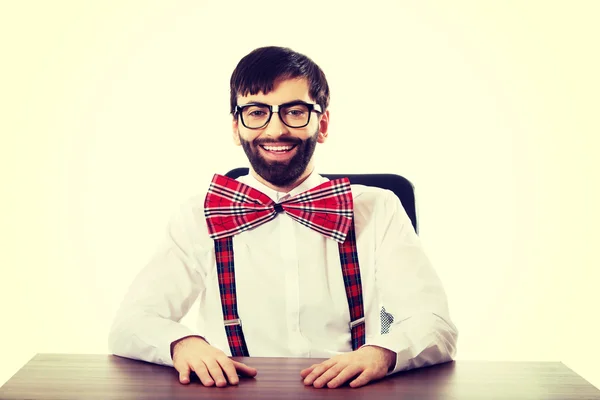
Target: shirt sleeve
147,321
421,332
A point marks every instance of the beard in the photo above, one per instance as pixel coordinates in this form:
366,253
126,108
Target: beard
280,173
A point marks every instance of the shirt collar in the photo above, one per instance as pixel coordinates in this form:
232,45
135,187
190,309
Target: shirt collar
314,179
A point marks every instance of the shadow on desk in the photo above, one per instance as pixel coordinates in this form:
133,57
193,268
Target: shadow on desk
70,376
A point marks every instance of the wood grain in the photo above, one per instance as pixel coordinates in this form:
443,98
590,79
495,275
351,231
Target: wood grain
70,376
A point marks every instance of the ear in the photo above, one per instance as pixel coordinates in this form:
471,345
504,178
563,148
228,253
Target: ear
323,127
235,132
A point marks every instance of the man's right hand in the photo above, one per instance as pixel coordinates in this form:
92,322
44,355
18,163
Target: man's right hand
210,364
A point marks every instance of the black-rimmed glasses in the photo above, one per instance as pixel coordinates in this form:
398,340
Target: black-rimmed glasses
295,114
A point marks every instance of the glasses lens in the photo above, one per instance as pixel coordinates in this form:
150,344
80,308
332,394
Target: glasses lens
255,116
295,115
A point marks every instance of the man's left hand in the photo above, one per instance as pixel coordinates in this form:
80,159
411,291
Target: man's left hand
366,364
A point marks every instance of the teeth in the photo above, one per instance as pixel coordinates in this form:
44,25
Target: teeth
278,148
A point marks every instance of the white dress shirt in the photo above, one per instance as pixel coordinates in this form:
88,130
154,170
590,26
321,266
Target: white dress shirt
290,292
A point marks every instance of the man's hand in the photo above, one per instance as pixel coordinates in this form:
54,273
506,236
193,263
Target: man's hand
210,364
369,363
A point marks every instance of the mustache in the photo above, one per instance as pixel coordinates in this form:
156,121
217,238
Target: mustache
263,142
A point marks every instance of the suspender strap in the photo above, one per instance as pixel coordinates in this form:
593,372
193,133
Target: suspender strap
226,274
353,285
232,321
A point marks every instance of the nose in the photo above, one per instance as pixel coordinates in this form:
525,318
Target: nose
275,127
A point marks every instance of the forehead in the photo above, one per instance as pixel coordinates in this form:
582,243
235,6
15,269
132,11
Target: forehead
283,91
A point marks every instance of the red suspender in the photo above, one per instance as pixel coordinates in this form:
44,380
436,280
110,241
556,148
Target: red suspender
353,285
226,274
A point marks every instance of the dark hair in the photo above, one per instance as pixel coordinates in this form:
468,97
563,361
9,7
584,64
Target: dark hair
258,71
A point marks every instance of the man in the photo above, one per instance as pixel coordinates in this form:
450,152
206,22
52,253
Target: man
359,291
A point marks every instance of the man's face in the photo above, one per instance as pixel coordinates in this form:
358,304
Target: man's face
277,153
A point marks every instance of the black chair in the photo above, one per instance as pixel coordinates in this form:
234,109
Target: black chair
396,183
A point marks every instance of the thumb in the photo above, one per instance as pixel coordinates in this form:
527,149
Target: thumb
244,369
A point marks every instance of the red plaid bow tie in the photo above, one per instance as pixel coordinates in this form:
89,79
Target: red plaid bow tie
232,207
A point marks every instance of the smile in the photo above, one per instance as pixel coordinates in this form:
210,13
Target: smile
278,149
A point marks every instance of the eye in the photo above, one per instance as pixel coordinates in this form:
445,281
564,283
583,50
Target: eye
296,111
256,112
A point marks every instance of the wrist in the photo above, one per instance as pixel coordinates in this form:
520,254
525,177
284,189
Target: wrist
388,356
391,359
180,342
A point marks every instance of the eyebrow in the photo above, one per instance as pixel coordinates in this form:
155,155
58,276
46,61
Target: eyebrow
257,103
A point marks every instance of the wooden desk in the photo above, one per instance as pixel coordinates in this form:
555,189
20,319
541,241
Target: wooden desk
66,376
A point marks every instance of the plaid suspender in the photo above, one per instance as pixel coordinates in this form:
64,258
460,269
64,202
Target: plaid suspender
226,274
233,323
353,285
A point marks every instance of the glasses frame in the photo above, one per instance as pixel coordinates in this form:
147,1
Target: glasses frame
277,109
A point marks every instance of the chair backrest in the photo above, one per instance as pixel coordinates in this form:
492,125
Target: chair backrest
401,186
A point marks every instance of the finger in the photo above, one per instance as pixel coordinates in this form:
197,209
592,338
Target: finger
229,370
362,379
304,373
328,375
214,369
347,373
200,369
184,373
318,371
244,369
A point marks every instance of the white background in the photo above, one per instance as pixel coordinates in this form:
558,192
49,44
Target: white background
115,112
